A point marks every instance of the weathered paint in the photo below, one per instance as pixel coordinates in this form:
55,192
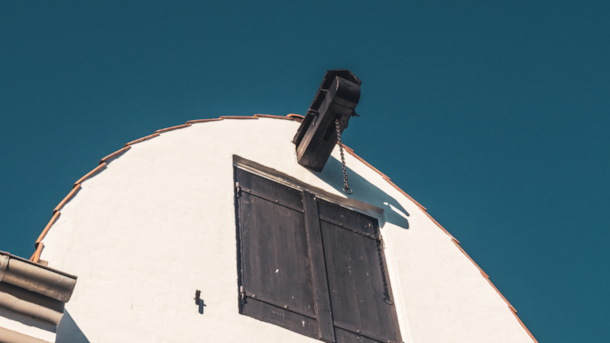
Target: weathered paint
159,223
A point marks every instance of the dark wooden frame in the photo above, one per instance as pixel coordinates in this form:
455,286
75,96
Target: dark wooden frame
290,181
318,265
325,325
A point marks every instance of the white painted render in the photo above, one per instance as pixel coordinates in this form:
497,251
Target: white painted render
159,222
27,325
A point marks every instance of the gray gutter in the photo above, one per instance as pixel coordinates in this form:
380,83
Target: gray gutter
34,277
30,304
32,290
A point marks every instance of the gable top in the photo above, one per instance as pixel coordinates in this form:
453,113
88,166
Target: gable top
292,117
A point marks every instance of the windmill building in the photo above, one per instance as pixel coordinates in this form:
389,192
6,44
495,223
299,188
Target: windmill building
249,229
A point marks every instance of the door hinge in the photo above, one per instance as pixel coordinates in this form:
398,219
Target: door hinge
237,189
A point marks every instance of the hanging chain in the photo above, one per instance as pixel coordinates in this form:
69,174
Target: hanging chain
346,189
386,290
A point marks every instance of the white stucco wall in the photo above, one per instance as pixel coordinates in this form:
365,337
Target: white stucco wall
159,222
27,325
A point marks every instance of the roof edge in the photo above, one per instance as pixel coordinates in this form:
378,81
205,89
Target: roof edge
36,278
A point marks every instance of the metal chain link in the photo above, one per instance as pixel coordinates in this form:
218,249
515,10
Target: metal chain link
346,189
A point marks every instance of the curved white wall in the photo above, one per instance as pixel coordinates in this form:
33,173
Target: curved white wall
159,222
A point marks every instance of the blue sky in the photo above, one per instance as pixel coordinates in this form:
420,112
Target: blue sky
493,115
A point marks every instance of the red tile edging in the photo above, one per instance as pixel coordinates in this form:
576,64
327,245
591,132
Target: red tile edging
524,327
116,153
36,256
203,120
98,168
142,139
272,116
63,202
238,117
46,229
167,129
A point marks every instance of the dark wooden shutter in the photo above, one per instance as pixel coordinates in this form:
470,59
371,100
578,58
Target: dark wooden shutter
311,266
275,268
360,294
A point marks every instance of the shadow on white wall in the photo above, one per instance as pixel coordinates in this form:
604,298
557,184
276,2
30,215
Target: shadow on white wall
364,191
69,332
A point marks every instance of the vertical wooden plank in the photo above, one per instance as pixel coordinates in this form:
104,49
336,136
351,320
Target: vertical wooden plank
342,289
287,271
304,266
383,269
295,280
320,284
268,249
359,288
249,232
375,289
363,278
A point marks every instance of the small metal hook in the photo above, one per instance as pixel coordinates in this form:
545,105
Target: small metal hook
197,296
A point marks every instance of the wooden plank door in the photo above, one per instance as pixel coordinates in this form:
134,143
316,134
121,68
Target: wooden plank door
275,268
361,301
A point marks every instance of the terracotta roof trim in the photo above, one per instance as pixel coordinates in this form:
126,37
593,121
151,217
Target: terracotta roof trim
457,244
438,224
351,151
203,120
239,117
67,198
89,174
36,257
272,116
291,116
167,129
114,154
500,293
524,327
142,139
46,229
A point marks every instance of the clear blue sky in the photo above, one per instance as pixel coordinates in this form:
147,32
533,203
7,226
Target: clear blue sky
494,115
